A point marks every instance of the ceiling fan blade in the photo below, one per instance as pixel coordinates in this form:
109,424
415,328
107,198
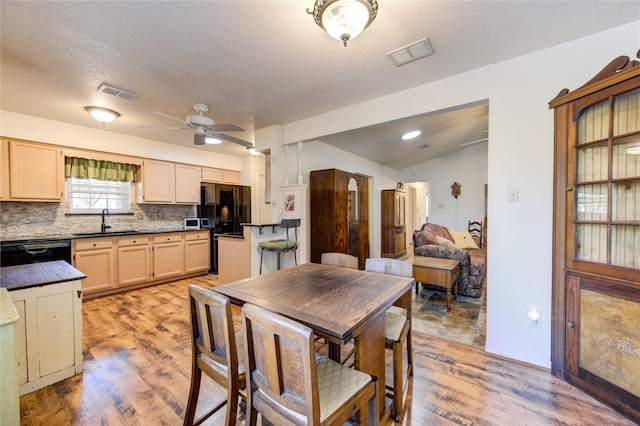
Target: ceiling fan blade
234,140
163,127
199,139
227,128
168,116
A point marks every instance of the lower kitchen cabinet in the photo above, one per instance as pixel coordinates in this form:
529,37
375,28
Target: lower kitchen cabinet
49,331
167,255
196,252
134,260
114,264
96,258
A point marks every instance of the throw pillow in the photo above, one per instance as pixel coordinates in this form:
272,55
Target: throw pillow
463,240
444,242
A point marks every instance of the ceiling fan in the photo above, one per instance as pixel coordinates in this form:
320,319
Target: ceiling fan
203,125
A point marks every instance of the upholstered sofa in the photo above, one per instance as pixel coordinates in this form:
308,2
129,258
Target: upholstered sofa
473,261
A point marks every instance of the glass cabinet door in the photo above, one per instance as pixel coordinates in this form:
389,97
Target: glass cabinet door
607,183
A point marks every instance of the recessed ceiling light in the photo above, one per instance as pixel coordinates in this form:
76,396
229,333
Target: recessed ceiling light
212,141
410,135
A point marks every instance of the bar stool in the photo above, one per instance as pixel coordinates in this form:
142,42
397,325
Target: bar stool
282,246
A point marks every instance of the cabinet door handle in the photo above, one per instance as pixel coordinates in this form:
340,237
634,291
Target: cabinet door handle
571,325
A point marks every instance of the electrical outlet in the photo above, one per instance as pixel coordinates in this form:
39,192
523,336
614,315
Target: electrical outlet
5,218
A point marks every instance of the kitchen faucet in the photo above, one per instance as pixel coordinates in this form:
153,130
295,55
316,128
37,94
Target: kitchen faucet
104,228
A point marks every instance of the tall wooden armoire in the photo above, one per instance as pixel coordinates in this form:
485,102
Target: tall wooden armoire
596,252
394,229
339,204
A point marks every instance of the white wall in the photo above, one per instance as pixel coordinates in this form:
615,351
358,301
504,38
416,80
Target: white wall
468,167
520,154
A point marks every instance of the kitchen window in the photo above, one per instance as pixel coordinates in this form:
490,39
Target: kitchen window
92,195
96,184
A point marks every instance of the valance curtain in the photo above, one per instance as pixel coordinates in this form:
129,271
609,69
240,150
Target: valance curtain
97,169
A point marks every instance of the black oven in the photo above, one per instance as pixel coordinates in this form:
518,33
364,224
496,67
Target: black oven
33,251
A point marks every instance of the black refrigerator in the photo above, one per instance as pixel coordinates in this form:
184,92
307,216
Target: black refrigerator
226,207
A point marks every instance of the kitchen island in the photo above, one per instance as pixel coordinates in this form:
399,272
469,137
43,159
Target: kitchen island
48,299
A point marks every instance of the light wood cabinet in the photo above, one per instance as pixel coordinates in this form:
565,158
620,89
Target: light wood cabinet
196,252
211,175
4,170
49,332
167,255
158,182
96,258
231,177
187,184
170,183
596,247
134,260
394,232
36,172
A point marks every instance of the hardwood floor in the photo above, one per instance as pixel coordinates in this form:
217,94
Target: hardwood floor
137,364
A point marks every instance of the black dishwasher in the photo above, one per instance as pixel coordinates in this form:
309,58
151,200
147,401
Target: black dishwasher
33,251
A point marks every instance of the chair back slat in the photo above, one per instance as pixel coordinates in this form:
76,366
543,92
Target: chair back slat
281,366
389,266
342,260
212,331
475,230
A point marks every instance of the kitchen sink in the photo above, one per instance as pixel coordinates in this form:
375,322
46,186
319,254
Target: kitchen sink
104,234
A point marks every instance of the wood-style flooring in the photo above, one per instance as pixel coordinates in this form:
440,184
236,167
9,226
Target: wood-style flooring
137,364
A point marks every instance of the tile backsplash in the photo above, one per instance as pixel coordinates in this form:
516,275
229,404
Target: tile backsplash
50,220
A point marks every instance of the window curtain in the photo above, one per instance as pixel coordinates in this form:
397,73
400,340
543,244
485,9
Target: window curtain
97,169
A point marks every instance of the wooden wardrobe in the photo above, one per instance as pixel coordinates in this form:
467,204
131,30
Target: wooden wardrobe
339,204
595,338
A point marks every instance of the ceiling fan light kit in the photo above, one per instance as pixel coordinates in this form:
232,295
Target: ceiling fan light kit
344,20
103,115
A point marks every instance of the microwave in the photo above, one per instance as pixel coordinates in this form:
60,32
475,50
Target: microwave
197,223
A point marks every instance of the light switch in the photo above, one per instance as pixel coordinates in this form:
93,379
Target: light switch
512,194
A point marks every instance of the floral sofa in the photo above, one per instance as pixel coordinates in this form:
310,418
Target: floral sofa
473,261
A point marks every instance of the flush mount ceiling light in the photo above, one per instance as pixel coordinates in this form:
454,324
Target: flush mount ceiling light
103,115
344,20
411,135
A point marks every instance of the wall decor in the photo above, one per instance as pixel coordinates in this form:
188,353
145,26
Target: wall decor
456,189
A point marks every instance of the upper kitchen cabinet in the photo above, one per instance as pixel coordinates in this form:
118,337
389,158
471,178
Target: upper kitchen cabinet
220,176
211,175
187,184
35,172
158,182
4,170
231,177
164,182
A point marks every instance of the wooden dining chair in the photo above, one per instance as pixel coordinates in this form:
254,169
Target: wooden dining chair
216,350
342,260
397,323
289,384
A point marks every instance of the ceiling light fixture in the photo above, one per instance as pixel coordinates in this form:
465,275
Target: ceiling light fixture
103,115
344,20
411,135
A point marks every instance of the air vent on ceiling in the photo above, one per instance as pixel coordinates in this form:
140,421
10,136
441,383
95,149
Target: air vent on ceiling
412,52
425,146
109,90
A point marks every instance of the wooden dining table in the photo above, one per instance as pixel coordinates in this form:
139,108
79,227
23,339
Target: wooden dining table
338,304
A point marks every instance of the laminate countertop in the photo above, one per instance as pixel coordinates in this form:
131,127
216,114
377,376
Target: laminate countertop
37,274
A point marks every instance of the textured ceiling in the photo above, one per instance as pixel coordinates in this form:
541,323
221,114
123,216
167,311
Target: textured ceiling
258,63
